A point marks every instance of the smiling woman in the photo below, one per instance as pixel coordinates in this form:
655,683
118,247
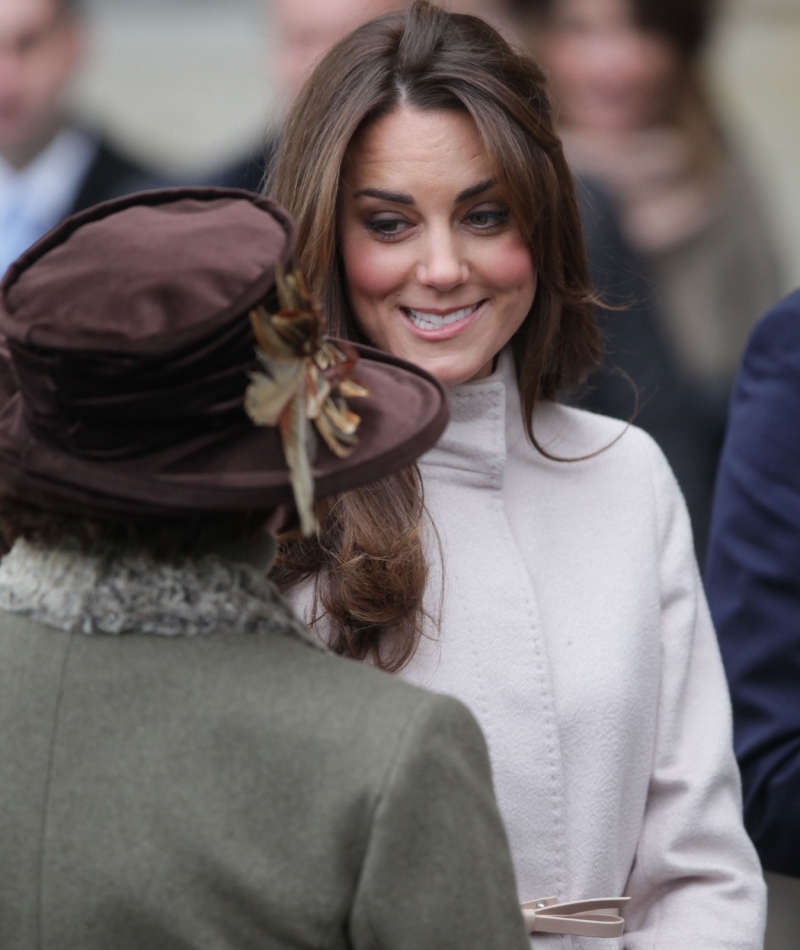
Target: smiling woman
371,110
436,266
548,580
414,200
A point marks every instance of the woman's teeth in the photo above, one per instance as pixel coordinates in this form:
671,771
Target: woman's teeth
430,321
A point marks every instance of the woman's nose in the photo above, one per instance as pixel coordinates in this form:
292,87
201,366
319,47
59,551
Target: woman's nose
442,266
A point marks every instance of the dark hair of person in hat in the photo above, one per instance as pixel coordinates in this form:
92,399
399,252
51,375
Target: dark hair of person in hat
181,764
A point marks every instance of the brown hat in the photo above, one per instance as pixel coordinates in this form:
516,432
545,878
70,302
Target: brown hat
130,335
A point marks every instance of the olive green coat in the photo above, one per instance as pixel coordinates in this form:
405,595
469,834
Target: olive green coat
238,791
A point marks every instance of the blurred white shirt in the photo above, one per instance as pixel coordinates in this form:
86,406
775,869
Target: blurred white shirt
35,198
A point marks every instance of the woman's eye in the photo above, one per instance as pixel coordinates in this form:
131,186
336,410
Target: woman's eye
488,219
387,227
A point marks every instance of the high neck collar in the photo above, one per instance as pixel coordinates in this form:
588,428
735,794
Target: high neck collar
475,438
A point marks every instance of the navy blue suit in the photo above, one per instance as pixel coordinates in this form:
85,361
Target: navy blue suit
753,581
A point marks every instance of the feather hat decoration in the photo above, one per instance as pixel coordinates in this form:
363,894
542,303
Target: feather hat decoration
305,379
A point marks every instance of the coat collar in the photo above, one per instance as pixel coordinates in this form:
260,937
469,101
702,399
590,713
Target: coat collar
475,439
116,589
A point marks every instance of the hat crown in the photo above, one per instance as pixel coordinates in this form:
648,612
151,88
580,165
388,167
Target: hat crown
147,276
129,332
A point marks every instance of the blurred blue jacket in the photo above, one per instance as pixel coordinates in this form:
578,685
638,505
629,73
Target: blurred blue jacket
753,581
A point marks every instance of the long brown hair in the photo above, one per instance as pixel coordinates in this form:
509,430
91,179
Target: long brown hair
368,560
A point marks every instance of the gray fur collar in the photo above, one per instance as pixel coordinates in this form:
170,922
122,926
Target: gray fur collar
115,589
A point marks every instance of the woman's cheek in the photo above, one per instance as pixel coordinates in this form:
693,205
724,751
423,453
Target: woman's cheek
511,264
373,270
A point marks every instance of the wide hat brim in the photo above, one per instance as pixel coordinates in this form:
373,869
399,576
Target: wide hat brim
145,300
404,415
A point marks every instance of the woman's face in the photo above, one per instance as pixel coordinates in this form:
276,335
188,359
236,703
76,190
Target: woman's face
436,269
607,73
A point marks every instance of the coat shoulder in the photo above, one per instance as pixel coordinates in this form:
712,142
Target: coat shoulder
608,478
609,445
387,703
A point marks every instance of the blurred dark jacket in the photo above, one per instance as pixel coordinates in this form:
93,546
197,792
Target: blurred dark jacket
753,581
250,171
640,379
77,169
112,175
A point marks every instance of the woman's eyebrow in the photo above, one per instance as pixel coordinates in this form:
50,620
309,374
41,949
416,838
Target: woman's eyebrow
401,198
396,197
474,190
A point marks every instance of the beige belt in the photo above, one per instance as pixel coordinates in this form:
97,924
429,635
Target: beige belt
575,917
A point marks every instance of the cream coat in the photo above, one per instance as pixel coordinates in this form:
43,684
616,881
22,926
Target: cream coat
575,628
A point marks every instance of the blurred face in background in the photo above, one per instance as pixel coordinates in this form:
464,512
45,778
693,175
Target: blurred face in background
607,73
308,28
40,48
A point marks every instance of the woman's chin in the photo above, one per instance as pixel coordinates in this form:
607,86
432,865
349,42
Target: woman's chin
454,372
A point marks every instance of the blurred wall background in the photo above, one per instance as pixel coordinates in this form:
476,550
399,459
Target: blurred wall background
186,85
755,63
183,84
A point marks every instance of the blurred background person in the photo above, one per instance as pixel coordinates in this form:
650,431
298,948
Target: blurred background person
304,30
49,167
636,114
753,583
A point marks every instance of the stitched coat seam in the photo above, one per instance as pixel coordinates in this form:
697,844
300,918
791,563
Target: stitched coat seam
391,770
46,797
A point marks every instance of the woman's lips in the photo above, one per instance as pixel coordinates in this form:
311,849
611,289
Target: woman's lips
441,326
